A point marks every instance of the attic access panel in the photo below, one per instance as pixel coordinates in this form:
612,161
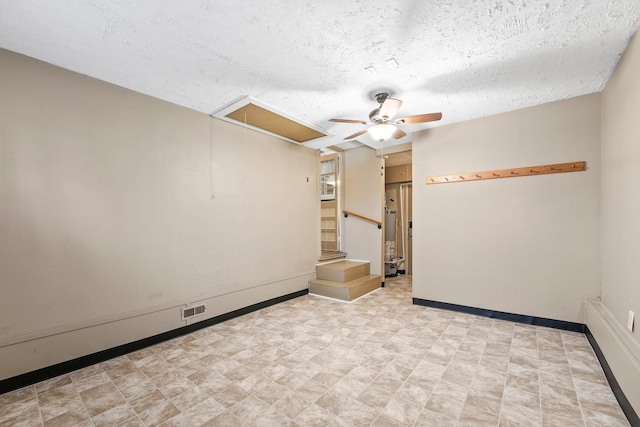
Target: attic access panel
261,117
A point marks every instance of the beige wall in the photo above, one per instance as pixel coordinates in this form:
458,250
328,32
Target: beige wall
621,224
525,245
621,188
363,190
117,209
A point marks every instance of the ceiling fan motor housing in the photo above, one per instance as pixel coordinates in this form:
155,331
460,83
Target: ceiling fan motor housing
375,116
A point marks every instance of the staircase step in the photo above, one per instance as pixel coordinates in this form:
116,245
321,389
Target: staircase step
329,255
342,271
345,291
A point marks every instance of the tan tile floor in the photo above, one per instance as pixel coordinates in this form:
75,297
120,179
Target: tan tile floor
378,361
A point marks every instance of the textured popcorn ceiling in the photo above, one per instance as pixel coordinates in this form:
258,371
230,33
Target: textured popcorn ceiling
322,59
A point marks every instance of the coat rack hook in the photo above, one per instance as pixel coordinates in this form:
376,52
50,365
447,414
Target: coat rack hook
461,177
447,179
478,176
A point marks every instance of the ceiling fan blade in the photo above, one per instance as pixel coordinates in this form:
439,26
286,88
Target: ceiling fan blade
390,108
419,118
399,133
348,121
356,134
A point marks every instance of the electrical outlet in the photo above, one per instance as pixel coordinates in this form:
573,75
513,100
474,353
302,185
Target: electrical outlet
630,320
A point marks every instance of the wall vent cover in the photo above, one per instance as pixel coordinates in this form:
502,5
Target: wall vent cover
261,117
197,310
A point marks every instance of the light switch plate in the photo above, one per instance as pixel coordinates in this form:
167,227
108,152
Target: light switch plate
630,320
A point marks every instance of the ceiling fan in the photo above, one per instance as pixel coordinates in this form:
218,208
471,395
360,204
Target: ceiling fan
383,126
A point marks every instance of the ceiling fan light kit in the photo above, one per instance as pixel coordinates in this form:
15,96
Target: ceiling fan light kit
382,132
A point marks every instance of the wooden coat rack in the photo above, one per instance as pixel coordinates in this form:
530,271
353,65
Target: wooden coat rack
508,173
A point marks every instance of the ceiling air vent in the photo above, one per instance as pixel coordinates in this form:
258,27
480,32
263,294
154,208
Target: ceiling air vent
261,117
193,311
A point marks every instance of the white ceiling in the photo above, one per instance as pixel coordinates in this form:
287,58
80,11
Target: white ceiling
316,59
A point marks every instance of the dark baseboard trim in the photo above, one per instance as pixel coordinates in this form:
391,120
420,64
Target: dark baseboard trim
401,271
62,368
628,410
518,318
550,323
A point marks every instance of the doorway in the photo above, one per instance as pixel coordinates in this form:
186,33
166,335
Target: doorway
329,207
398,215
406,207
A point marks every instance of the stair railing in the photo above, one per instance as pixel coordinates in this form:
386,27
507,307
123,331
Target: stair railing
366,218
